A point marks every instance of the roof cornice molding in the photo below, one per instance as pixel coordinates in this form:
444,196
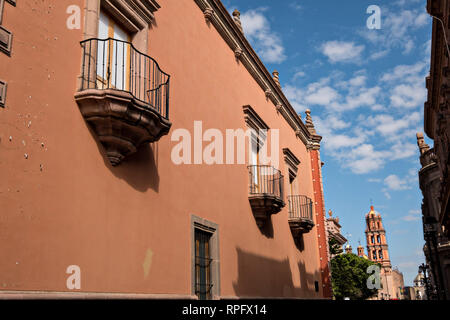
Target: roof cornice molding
216,14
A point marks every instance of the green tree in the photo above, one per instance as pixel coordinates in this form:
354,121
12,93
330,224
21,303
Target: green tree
349,277
335,247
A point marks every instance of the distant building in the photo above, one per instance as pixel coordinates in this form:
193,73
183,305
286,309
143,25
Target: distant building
398,285
348,248
361,252
417,292
334,229
409,293
377,251
419,288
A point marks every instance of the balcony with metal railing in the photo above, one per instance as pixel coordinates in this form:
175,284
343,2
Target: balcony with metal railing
266,192
124,96
300,214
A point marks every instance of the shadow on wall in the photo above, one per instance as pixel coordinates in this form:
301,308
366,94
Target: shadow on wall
267,228
299,242
139,170
260,276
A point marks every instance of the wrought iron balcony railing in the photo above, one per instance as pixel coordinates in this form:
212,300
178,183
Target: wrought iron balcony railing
265,180
300,207
118,65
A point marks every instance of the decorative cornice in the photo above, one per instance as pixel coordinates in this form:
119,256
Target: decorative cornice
135,14
217,15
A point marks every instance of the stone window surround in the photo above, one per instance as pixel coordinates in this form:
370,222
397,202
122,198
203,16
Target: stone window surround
135,16
3,86
213,228
2,3
254,122
6,44
291,160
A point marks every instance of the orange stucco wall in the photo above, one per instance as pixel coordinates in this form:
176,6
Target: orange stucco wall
65,204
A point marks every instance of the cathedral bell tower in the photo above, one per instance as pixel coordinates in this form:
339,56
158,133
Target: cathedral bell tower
377,247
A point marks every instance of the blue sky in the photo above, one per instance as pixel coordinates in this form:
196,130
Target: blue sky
366,90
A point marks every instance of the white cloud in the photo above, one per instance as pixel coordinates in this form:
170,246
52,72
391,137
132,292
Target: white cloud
360,97
408,96
379,54
296,5
408,85
365,159
341,51
298,74
322,96
413,215
403,150
257,29
341,141
406,73
387,125
393,182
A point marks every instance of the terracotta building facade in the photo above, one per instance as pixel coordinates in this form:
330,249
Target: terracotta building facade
434,174
109,111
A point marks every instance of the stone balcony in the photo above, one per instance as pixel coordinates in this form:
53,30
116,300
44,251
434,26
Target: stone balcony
124,96
300,214
266,192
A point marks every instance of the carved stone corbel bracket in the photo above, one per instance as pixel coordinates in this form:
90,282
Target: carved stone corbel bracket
121,123
208,13
238,53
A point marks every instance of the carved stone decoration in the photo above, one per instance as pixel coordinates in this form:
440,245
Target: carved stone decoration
263,206
237,20
121,122
276,78
238,52
421,143
309,123
208,13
